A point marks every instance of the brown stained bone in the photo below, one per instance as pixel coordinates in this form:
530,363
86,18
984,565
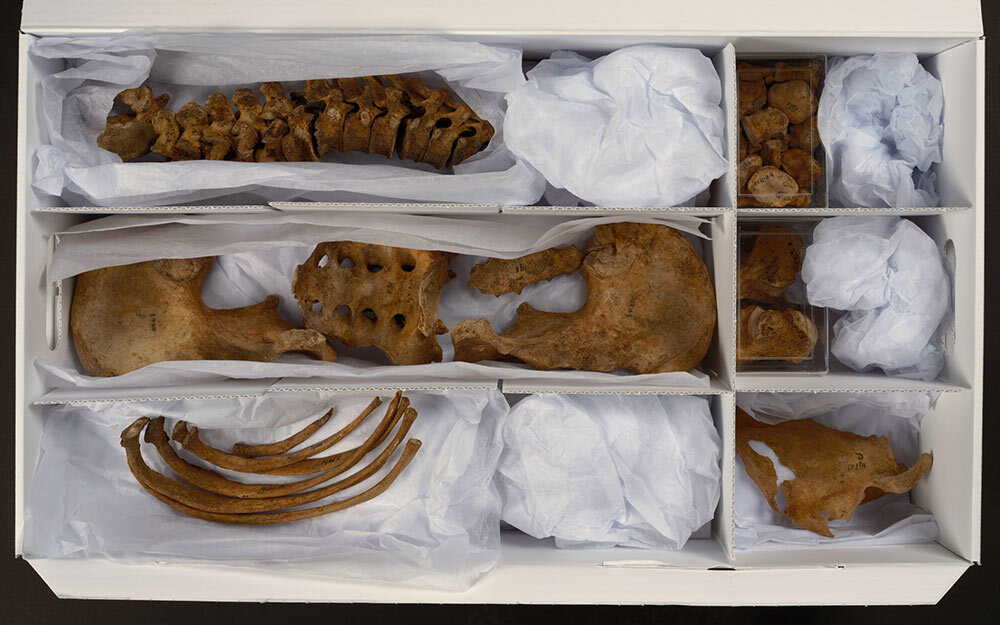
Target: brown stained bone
747,167
772,265
752,96
794,98
749,71
808,71
781,334
213,502
374,295
126,317
373,114
187,436
133,135
772,187
650,308
212,481
343,460
764,124
497,275
279,447
835,472
258,511
802,167
805,136
772,149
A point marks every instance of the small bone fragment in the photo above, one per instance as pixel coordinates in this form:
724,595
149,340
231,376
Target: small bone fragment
772,187
498,275
749,71
771,150
784,334
752,96
802,167
126,317
805,136
809,71
747,167
190,440
835,472
772,265
764,124
794,98
132,135
279,447
650,307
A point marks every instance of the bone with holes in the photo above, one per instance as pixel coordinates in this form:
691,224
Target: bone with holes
208,495
375,295
373,114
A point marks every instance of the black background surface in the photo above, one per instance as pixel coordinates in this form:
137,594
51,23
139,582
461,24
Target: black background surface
24,598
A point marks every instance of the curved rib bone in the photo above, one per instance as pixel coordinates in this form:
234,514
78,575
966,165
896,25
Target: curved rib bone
150,480
217,483
279,447
212,502
189,440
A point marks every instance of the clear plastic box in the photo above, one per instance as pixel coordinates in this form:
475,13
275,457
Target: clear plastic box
778,133
776,263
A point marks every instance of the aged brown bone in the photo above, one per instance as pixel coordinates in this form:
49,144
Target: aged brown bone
764,124
650,308
163,488
132,135
782,334
835,472
772,265
747,167
213,502
752,96
279,447
217,483
794,98
805,136
802,167
126,317
772,187
374,295
373,114
189,439
498,275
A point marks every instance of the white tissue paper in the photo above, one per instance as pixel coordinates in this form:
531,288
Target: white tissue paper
258,254
76,102
880,120
889,520
642,126
436,526
896,286
600,471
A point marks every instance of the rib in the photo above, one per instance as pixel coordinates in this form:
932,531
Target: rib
155,483
211,481
270,449
189,440
212,502
346,459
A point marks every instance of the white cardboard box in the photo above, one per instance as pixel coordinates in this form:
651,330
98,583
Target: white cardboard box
948,38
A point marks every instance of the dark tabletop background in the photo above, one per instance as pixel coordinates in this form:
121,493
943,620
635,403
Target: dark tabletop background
24,598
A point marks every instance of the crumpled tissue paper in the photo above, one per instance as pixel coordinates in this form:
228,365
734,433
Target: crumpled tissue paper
880,120
599,471
639,127
889,520
892,279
